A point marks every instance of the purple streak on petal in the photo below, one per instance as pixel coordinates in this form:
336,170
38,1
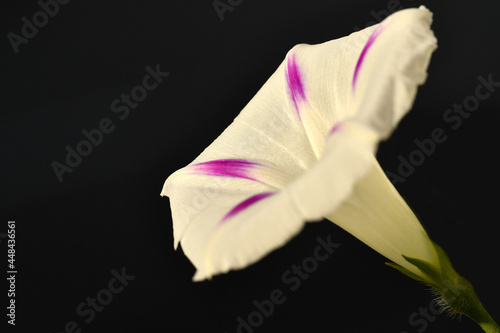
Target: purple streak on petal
245,204
334,129
294,81
368,44
226,168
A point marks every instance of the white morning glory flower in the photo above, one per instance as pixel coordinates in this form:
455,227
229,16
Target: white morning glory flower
303,150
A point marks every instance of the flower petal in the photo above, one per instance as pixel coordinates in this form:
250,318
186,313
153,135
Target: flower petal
377,215
393,67
219,184
261,172
381,27
242,239
348,155
245,204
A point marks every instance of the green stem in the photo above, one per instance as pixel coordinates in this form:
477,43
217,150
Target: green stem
490,327
455,290
483,318
462,298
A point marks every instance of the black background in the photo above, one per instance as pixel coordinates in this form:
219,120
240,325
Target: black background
107,214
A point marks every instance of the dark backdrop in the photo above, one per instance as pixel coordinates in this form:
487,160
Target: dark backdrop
106,217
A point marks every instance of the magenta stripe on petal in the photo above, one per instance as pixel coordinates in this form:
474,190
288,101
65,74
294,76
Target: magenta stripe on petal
334,129
227,168
368,44
245,204
294,81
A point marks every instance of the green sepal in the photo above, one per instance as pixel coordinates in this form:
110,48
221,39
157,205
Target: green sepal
412,275
426,268
444,260
405,271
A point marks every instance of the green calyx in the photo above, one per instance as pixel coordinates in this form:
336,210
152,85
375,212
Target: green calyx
456,292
